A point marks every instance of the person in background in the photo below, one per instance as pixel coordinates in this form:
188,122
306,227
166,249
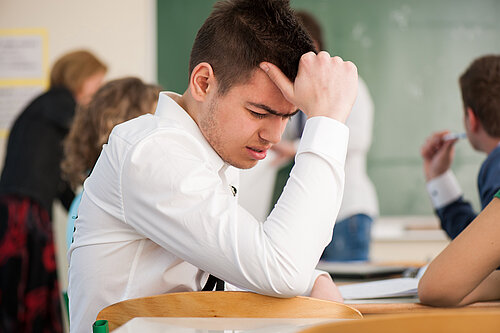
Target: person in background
480,88
159,211
351,234
30,182
115,102
466,271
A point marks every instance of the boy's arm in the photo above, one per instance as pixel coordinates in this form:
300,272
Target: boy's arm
325,288
445,193
464,272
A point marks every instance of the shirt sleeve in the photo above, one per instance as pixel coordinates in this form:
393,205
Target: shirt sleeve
456,216
173,196
453,211
316,273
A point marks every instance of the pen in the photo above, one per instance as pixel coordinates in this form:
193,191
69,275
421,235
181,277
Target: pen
454,136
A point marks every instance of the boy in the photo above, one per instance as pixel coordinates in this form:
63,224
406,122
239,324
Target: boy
159,212
480,87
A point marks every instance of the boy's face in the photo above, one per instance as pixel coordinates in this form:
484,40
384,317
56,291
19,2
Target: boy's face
243,124
89,87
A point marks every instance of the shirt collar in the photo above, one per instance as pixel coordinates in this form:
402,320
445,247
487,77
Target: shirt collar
167,108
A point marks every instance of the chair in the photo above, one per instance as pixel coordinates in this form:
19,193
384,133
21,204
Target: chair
229,304
436,321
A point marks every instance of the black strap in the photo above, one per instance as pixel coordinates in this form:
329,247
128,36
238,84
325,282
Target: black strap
301,123
213,282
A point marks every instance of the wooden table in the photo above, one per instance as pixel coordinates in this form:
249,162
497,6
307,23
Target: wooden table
219,325
405,307
399,304
276,325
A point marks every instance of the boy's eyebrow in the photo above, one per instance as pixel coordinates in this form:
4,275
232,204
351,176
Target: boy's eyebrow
274,112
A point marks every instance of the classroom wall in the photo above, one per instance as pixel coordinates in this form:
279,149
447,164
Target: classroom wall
120,32
410,53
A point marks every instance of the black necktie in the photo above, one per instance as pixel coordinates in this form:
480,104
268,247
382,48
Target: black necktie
213,282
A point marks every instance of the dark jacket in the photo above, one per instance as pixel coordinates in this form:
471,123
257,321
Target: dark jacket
457,215
34,150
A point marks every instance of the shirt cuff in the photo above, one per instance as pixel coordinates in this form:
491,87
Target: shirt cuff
325,136
444,189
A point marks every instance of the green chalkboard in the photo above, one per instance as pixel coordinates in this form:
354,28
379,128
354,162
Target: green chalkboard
410,54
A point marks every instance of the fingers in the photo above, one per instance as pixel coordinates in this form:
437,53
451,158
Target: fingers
279,79
437,151
337,59
434,143
437,155
348,64
324,86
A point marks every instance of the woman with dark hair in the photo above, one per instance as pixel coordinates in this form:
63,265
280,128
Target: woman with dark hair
30,183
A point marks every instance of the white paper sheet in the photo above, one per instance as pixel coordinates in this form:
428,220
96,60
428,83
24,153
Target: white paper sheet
400,287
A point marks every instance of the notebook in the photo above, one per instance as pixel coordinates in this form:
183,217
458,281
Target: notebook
359,270
399,287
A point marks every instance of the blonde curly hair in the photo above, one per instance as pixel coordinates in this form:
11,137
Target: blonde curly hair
115,102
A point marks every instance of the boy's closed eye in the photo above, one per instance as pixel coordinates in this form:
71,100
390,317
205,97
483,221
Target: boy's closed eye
258,115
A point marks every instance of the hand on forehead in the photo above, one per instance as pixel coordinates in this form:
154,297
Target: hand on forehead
324,86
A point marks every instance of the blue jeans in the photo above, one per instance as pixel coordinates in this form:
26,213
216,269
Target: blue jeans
351,239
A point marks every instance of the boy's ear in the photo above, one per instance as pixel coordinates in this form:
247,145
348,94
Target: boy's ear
474,123
201,81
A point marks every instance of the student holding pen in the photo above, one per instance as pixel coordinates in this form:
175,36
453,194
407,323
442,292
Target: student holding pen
480,87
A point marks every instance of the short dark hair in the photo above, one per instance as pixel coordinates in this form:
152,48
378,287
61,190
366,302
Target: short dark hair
313,27
480,85
240,34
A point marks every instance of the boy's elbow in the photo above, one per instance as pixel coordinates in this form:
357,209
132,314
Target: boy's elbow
430,294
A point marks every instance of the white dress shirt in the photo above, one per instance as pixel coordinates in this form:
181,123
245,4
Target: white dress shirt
360,196
158,211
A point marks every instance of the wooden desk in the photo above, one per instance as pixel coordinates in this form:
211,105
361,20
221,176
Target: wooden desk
216,325
405,307
400,304
275,325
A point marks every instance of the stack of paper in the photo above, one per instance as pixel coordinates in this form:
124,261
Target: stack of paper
360,269
400,287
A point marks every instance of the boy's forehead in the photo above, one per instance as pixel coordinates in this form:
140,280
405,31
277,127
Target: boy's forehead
260,91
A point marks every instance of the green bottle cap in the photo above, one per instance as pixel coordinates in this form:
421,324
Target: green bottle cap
100,326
